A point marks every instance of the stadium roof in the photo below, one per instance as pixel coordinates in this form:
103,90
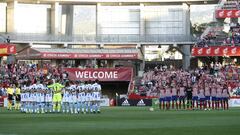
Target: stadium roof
57,53
120,1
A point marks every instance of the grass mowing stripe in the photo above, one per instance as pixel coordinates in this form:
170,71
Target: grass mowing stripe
121,121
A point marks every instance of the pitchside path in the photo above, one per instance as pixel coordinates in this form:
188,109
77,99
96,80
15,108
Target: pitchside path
123,121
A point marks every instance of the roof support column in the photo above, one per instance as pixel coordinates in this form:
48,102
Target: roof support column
97,10
11,15
54,18
142,51
142,22
186,22
67,11
186,56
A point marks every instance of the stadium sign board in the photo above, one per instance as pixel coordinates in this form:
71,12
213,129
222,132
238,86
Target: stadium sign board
102,74
234,102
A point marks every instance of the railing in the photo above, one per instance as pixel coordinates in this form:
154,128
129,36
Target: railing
99,38
228,5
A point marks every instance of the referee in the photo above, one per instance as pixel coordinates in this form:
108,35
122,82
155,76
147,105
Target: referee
18,98
57,95
10,92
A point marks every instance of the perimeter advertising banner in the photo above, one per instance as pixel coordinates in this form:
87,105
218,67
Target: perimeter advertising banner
227,13
134,102
216,51
102,74
47,55
234,102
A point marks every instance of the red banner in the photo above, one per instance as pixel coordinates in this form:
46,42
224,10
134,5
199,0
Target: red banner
102,74
6,49
89,56
216,51
227,13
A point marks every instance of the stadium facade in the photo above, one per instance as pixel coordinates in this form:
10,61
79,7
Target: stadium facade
99,24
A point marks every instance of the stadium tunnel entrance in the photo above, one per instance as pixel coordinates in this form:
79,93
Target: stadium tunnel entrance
113,88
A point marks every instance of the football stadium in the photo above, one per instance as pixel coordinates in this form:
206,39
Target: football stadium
116,67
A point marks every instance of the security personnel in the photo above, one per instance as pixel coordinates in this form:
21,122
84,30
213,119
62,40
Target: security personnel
57,95
10,92
18,98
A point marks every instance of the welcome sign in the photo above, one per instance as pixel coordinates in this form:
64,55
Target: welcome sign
102,74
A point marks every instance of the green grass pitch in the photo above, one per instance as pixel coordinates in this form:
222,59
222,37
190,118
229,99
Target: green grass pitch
123,121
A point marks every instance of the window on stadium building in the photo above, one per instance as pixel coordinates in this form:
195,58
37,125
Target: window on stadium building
84,20
32,18
118,20
164,20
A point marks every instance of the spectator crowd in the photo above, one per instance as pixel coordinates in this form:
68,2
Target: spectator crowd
22,74
227,76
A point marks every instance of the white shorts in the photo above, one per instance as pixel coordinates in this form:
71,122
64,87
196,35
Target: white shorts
48,98
89,97
26,97
22,97
66,98
81,97
40,98
73,99
33,98
96,96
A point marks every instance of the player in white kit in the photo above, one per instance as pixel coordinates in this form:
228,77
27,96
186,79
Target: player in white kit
40,98
26,100
65,100
96,96
23,100
88,90
48,100
73,99
81,98
32,98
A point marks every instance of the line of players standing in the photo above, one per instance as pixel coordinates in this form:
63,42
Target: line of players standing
77,97
194,97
